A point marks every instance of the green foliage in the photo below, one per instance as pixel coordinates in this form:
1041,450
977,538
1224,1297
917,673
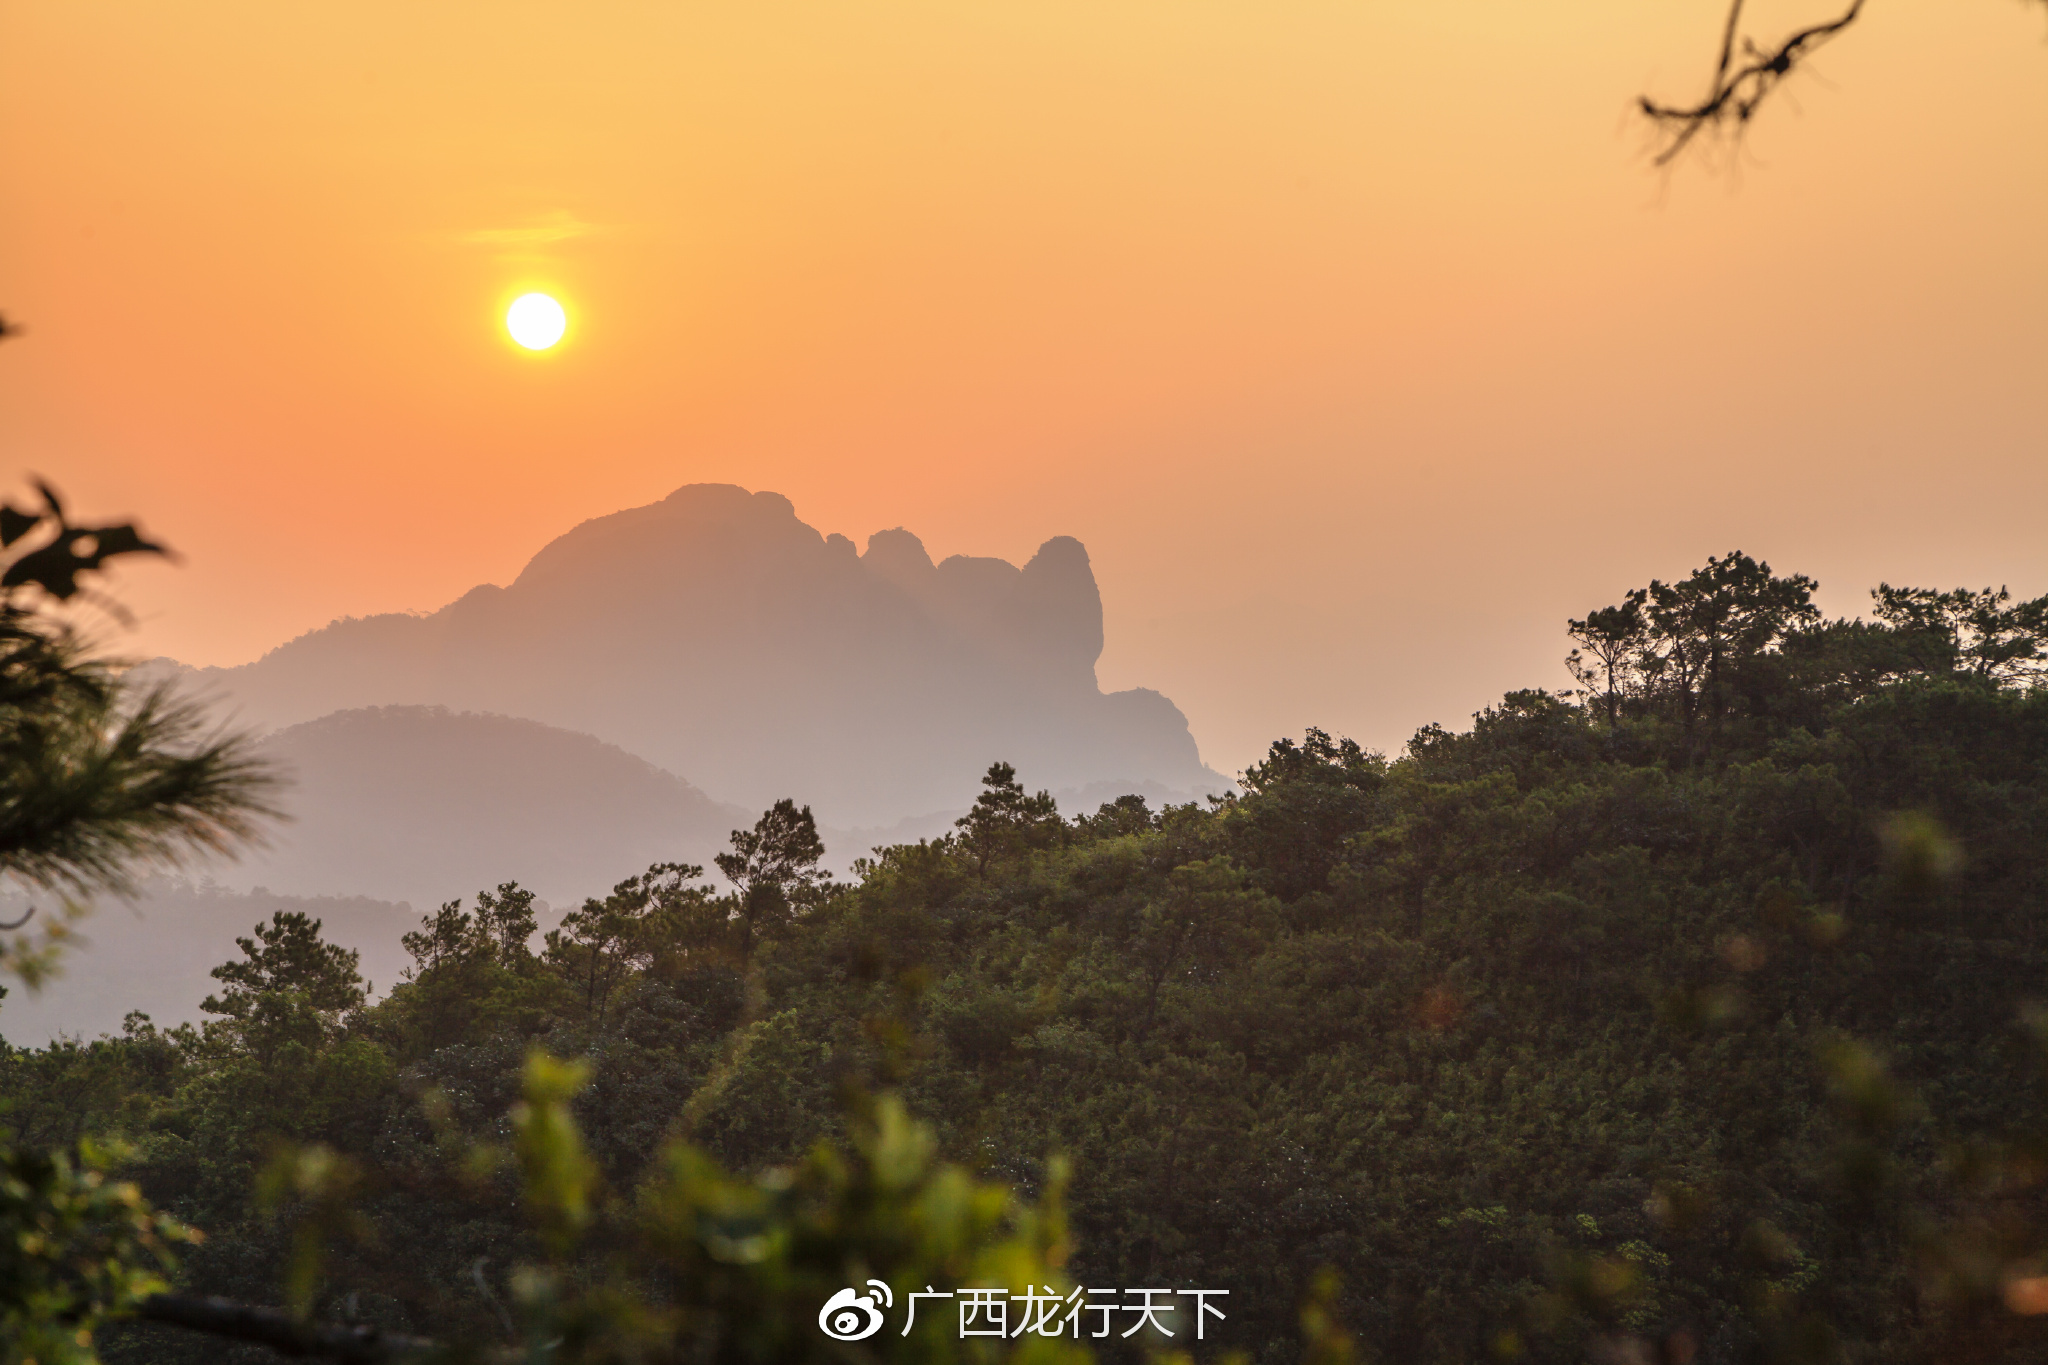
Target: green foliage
1328,1342
600,944
737,1270
321,1188
288,991
75,1247
505,924
775,867
1005,820
1700,649
287,959
1974,631
551,1157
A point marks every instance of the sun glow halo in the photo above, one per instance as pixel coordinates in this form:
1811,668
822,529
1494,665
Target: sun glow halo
536,321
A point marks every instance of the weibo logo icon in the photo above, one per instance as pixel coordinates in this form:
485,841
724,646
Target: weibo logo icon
848,1316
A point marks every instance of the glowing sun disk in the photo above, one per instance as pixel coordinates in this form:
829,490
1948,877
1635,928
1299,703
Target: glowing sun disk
536,321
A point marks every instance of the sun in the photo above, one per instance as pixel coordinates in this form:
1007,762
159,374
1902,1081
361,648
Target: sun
536,321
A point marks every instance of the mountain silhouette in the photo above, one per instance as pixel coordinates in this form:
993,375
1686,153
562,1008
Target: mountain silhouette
421,804
717,636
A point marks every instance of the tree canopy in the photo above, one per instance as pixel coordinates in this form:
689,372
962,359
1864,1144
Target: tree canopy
1684,1015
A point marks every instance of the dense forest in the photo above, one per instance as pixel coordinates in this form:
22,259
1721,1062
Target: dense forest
1686,1015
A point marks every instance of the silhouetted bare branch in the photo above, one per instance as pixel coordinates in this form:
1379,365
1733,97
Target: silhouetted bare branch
351,1345
1744,78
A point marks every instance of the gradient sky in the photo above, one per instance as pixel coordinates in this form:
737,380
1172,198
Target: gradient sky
1355,338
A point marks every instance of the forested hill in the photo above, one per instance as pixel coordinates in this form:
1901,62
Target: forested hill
1646,1015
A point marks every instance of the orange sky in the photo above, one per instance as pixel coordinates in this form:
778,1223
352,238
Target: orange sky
1354,337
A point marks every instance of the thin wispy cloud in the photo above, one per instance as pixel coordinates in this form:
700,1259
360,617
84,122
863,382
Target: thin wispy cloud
546,230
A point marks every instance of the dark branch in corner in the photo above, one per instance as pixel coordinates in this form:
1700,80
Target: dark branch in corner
1743,79
280,1331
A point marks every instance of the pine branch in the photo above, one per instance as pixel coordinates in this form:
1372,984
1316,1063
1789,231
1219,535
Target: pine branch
96,786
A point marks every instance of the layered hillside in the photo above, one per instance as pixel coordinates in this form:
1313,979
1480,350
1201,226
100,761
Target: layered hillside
718,636
421,804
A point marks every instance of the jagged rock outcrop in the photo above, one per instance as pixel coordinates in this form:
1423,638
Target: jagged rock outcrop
718,636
